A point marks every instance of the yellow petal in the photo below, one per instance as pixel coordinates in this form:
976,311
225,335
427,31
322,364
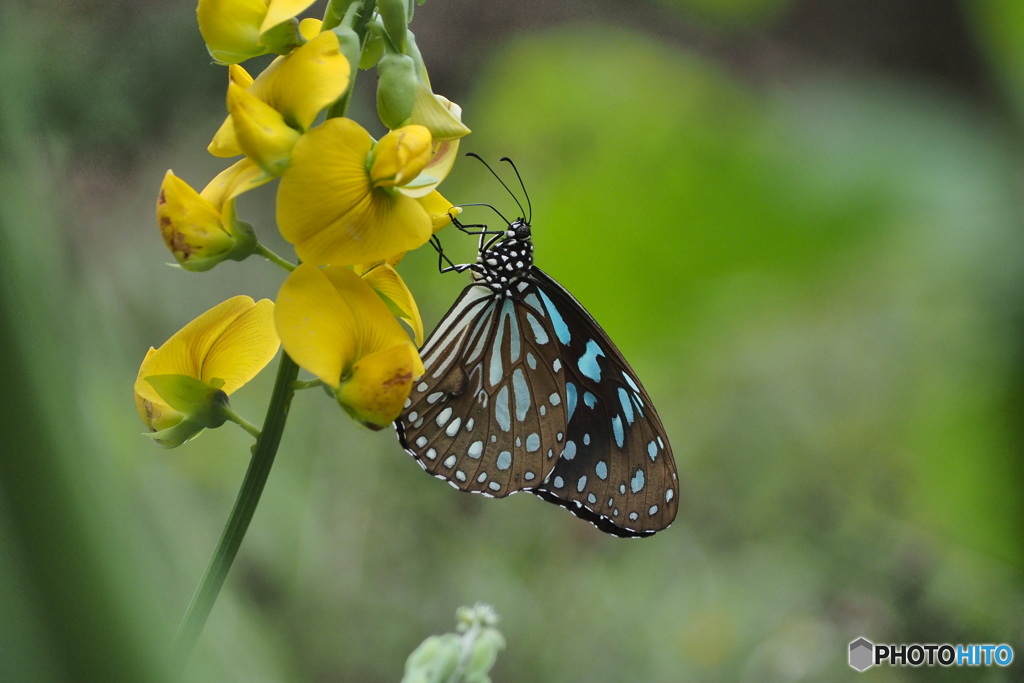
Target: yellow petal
310,27
328,210
441,116
243,348
242,176
301,84
154,411
377,328
379,384
441,162
443,159
231,28
328,318
261,131
280,11
379,225
239,76
400,156
439,209
224,143
315,324
386,281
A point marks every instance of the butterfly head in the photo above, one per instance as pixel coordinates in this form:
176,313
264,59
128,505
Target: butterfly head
518,229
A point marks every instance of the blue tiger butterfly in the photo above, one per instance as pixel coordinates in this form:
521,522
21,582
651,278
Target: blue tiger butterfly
523,391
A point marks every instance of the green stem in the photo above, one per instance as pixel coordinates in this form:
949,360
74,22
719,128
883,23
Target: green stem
356,15
241,421
261,250
241,514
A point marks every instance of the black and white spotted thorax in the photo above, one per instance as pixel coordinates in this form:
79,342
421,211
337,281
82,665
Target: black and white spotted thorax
507,262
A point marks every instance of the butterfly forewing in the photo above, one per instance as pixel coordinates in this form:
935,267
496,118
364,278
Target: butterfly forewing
477,417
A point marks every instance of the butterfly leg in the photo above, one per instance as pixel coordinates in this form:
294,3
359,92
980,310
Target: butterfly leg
481,230
442,258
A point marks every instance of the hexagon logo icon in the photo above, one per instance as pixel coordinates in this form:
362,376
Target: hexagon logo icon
862,653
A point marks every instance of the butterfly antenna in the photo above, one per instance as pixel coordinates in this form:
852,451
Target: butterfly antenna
487,206
498,178
529,204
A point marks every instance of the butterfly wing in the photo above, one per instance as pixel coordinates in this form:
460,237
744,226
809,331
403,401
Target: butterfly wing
616,468
481,416
527,392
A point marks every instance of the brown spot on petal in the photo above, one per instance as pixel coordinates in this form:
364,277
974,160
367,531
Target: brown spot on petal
401,378
180,245
152,414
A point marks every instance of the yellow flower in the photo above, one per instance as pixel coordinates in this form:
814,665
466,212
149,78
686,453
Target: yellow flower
201,228
400,156
267,115
182,386
334,325
235,30
334,203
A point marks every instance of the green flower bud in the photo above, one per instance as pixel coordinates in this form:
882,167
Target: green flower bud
413,50
484,654
348,43
335,13
396,89
479,614
434,661
373,46
394,15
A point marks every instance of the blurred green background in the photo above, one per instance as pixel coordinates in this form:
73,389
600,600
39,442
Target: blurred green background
801,222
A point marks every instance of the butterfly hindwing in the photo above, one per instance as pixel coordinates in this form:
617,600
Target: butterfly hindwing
617,469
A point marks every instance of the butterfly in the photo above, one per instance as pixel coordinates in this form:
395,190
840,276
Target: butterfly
523,391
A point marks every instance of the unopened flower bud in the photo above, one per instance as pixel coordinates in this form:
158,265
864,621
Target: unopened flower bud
393,15
373,45
198,233
396,89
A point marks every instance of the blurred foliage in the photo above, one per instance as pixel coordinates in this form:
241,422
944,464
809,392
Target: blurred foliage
1000,26
819,280
730,13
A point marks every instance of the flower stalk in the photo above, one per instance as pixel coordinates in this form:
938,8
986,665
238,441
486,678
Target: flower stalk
261,250
248,498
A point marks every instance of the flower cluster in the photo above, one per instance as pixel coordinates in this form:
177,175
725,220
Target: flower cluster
349,204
